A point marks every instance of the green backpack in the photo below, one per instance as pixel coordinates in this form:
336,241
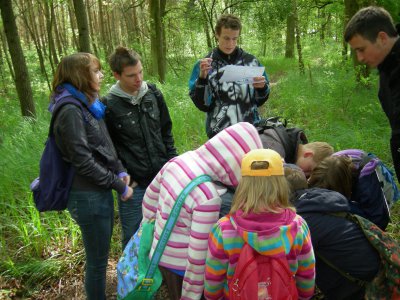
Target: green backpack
386,284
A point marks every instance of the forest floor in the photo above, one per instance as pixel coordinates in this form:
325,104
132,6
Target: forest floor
72,288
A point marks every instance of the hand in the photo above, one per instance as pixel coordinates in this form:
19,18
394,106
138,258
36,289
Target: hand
205,67
134,184
126,179
128,194
259,82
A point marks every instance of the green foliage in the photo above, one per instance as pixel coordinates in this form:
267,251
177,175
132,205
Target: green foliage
36,248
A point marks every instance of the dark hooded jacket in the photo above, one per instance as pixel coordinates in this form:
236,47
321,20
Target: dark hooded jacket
285,141
338,240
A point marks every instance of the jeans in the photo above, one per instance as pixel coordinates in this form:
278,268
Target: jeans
94,213
130,214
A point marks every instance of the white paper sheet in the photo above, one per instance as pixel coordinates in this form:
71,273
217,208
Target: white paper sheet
241,74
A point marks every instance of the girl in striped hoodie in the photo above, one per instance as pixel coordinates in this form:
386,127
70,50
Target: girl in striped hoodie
183,260
261,216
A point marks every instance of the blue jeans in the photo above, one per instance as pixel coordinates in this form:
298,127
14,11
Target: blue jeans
130,214
94,213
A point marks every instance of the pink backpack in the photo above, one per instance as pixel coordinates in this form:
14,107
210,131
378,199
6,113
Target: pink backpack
262,277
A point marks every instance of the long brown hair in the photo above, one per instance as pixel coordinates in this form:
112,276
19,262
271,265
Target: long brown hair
76,70
333,173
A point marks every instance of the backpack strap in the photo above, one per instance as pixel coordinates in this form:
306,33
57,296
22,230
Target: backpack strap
348,276
57,107
169,226
156,92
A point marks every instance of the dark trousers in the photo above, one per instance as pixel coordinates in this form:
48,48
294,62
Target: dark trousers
94,213
130,214
174,284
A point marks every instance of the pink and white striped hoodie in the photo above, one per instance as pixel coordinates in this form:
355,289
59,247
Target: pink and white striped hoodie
220,158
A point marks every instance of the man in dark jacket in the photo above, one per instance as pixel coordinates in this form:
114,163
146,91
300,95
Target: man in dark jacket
373,36
227,103
336,239
140,126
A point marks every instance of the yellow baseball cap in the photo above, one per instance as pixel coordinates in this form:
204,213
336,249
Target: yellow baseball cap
262,162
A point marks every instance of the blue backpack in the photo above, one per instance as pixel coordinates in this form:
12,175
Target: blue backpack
51,189
375,190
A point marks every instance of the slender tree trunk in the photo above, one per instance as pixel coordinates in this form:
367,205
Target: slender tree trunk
136,32
6,54
83,26
52,49
92,32
63,29
323,22
206,25
298,39
72,19
3,52
162,60
350,8
55,28
22,81
29,22
156,30
102,28
290,36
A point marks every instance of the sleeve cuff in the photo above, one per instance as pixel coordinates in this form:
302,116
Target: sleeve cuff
122,175
202,81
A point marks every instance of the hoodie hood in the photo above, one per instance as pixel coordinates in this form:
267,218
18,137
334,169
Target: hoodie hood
221,156
266,232
320,201
135,100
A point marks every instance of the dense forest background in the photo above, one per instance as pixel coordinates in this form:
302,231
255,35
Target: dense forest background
316,84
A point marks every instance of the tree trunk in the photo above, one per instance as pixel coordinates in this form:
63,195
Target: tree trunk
2,68
55,28
361,71
350,8
103,37
156,33
83,26
6,54
323,22
91,27
136,32
290,37
206,26
162,60
71,20
49,25
298,39
29,21
22,81
42,29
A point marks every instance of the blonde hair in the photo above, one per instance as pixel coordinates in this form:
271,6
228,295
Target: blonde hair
334,173
261,193
320,150
76,70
